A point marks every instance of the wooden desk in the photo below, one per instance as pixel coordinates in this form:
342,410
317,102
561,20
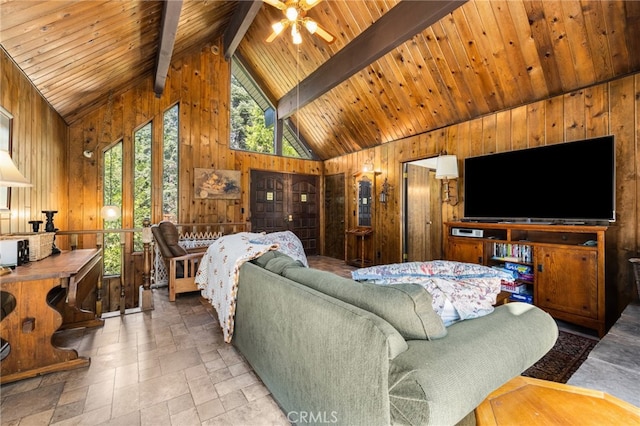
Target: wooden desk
48,294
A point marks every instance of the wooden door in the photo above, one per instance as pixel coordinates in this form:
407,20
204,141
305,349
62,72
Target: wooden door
267,202
304,202
281,201
566,280
334,207
421,241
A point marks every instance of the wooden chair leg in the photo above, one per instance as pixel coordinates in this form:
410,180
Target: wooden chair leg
172,284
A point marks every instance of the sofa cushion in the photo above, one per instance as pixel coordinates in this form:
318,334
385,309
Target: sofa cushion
263,260
279,263
405,306
440,382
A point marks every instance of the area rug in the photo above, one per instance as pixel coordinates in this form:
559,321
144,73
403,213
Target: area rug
569,352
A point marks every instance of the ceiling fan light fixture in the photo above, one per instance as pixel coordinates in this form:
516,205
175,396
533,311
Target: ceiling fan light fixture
310,25
278,27
295,34
292,13
295,12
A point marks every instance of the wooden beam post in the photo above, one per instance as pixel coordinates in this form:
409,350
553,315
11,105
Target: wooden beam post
146,295
168,30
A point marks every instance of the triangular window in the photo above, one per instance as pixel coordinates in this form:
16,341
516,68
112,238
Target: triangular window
254,122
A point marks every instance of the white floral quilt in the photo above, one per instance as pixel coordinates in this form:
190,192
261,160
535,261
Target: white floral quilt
218,273
470,288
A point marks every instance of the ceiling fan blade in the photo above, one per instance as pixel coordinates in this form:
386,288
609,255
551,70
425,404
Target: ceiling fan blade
276,3
324,34
272,37
308,4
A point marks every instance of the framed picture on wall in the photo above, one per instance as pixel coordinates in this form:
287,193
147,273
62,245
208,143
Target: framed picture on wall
217,184
6,129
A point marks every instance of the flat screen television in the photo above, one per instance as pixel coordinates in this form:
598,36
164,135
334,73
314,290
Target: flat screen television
571,182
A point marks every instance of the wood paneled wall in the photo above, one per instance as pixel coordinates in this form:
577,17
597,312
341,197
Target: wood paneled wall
200,84
609,108
50,157
39,151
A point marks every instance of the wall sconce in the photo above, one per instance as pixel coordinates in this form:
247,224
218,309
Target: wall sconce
367,166
384,194
447,168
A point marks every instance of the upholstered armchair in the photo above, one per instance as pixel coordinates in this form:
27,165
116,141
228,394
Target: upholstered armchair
181,264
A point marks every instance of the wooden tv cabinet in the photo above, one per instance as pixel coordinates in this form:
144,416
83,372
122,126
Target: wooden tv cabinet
567,263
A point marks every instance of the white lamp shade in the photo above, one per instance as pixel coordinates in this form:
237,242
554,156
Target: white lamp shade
110,212
9,173
447,167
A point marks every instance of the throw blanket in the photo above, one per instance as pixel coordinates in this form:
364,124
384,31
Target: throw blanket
218,273
470,288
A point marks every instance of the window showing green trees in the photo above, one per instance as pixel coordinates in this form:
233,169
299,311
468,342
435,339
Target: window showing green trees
253,119
142,184
248,129
112,196
141,180
170,164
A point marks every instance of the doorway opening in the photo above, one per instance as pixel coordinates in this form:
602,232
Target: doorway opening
421,212
334,208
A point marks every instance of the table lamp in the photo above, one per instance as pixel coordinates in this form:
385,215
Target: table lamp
10,176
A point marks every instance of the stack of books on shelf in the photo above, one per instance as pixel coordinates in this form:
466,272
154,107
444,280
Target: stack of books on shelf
513,287
513,252
520,287
524,272
525,297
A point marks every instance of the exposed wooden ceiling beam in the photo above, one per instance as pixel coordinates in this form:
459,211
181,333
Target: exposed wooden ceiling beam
168,30
402,22
240,22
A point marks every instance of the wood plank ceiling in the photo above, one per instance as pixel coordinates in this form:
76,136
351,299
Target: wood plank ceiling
485,56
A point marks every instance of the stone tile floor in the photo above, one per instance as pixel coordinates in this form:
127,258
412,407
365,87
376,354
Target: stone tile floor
613,366
168,366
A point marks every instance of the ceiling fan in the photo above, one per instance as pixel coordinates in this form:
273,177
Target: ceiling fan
295,12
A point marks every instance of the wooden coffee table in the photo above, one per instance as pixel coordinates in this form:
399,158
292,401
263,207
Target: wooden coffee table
528,401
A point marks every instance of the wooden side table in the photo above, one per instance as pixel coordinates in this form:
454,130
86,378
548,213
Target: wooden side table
361,259
529,401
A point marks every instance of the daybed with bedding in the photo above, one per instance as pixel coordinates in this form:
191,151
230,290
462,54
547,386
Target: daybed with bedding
334,349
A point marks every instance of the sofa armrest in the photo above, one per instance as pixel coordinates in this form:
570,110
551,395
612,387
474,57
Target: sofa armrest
316,354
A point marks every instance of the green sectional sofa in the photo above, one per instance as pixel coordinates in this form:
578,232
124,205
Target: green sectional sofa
332,350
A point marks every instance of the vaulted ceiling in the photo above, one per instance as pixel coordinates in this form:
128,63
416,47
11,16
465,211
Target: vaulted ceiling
481,56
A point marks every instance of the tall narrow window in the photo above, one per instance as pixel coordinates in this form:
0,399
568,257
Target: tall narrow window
170,169
141,180
112,196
